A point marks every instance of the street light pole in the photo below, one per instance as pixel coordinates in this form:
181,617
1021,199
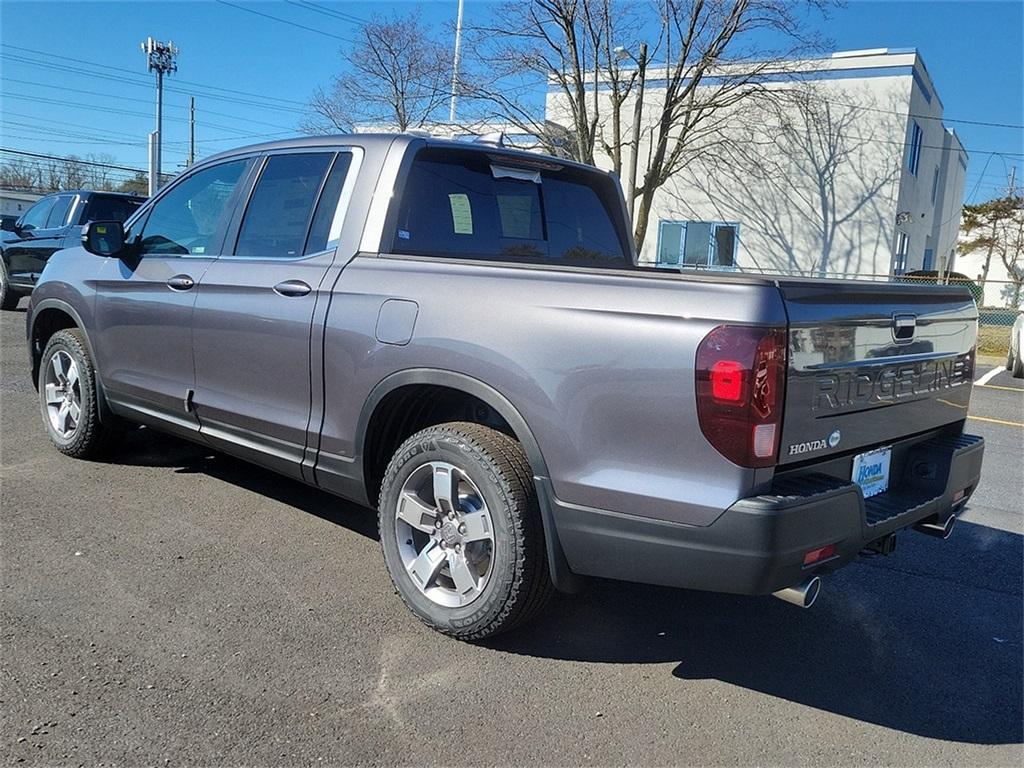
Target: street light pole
455,65
159,59
638,108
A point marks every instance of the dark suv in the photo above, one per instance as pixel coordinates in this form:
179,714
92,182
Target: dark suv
49,225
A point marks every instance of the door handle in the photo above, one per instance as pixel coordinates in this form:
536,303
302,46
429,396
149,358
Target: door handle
180,283
292,288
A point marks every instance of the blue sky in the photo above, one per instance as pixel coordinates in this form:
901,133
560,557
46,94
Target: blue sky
252,75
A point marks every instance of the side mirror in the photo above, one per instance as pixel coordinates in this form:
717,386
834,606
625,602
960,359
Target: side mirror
9,224
104,238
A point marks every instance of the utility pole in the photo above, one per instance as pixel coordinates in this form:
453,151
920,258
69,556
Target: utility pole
159,59
191,131
455,64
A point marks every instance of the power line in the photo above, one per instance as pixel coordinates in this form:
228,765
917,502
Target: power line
41,156
283,21
941,119
121,80
136,74
342,15
111,110
82,92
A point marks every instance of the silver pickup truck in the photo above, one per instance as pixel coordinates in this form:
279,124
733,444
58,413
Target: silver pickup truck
459,335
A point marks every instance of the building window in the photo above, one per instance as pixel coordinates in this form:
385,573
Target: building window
914,156
929,260
935,185
698,244
899,263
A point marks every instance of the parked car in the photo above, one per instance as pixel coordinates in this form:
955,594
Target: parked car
1014,362
52,223
459,335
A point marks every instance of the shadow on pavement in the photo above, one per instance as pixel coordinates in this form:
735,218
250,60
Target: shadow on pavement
144,447
927,641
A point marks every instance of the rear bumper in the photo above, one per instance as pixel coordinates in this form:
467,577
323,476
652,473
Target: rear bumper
757,546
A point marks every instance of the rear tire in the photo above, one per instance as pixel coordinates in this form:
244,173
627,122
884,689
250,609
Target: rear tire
9,297
1017,371
475,567
67,396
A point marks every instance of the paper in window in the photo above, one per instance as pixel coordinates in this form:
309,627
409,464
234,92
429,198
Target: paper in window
462,214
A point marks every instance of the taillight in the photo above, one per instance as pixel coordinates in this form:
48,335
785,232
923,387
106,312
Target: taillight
741,372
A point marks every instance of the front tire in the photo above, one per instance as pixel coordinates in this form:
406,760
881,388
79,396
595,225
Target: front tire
461,531
67,396
9,297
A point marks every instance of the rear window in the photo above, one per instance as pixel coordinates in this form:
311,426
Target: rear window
470,205
103,208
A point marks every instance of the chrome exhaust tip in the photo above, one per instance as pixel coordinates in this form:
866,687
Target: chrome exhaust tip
940,529
801,595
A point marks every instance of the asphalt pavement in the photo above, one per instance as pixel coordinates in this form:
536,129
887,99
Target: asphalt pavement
174,606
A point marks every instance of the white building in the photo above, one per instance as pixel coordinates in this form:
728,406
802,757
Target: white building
13,203
847,169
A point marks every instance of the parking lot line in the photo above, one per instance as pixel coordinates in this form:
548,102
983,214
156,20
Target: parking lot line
997,421
1000,386
985,378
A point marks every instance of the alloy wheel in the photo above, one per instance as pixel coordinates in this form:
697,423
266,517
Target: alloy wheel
445,534
63,391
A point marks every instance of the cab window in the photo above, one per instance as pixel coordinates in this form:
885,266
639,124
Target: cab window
35,217
190,218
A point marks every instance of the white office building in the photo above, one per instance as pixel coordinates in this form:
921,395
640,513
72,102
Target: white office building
15,203
846,170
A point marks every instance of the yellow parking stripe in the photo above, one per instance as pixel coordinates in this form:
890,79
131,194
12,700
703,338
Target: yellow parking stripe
998,386
998,421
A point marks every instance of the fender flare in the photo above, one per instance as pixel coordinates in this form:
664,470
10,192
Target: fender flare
564,579
105,414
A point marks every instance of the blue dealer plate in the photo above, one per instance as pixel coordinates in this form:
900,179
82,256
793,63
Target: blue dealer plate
871,471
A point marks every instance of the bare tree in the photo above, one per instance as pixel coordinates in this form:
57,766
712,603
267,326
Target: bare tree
396,74
52,174
571,45
19,174
711,64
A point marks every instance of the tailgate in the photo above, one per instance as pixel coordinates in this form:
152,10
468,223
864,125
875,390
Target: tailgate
872,362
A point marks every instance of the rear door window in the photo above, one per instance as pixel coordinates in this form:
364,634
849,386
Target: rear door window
465,204
280,211
59,213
